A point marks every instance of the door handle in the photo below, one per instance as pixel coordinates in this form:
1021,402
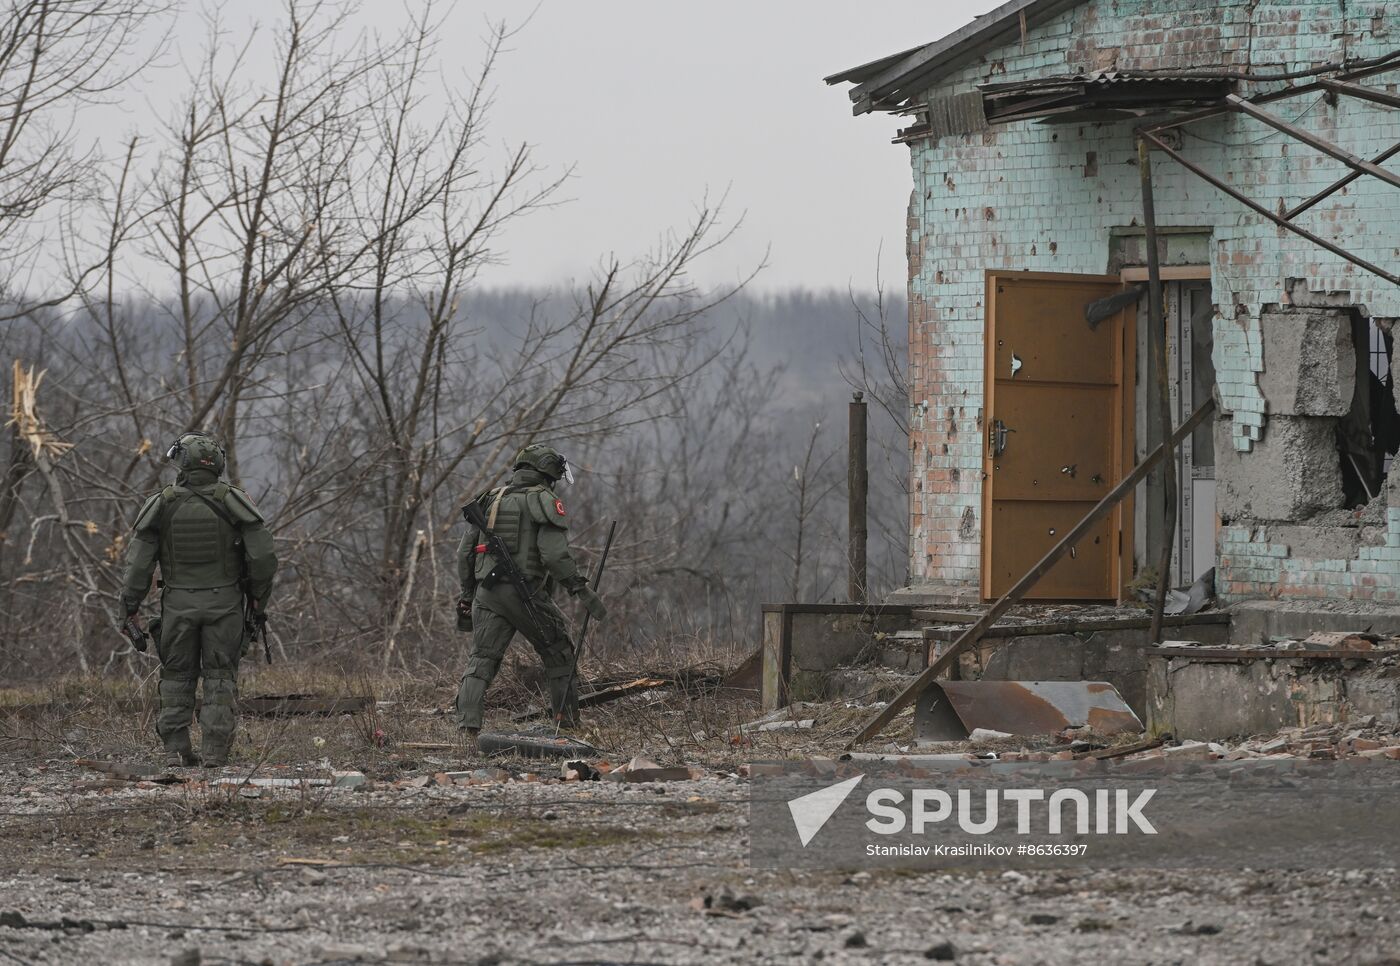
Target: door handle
996,437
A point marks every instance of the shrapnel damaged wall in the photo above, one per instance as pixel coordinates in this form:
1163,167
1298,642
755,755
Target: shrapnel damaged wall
1045,197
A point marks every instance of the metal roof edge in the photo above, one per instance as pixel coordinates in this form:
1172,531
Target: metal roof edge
924,63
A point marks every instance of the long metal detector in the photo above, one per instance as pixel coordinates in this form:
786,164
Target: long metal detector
583,631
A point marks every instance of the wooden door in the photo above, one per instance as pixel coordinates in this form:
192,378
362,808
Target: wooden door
1058,433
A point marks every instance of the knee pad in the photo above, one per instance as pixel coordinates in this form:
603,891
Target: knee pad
220,688
176,691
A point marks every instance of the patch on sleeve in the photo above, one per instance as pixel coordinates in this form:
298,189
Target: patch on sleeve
559,507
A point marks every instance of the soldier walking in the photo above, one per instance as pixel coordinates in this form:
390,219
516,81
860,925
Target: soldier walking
216,563
534,524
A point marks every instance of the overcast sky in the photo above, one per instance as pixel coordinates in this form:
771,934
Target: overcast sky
657,104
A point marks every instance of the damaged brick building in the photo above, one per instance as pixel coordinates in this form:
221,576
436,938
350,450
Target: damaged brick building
1030,371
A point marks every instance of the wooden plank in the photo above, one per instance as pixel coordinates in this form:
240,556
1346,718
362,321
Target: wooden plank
1088,625
944,616
1170,273
873,610
974,633
1268,653
773,694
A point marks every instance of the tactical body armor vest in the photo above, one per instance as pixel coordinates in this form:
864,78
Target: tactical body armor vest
201,546
514,515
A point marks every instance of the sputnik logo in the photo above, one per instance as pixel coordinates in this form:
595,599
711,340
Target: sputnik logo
812,811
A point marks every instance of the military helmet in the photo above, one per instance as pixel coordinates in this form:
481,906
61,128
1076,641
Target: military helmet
546,459
197,451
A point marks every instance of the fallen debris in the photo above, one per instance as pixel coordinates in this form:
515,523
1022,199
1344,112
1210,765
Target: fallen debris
1341,641
645,770
275,782
282,705
801,725
952,710
132,773
1122,751
533,744
725,903
602,695
579,770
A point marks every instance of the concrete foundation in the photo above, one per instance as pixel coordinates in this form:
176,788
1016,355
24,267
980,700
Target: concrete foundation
804,643
1257,622
1079,652
1208,699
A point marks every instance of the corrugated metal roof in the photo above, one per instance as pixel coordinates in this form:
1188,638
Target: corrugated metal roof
1105,78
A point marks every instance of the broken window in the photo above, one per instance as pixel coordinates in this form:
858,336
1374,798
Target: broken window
1368,436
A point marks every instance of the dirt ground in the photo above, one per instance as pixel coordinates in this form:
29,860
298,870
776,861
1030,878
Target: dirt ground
405,868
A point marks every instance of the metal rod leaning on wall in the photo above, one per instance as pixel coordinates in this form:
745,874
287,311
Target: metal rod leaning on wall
1157,339
974,633
1259,209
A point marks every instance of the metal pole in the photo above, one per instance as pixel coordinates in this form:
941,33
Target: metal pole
1157,340
1076,533
858,491
583,632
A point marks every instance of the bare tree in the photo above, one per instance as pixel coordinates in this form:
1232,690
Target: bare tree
56,58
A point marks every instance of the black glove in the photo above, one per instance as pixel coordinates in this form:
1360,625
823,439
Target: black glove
464,614
134,632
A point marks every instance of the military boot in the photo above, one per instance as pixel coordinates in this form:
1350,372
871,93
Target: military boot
469,739
178,758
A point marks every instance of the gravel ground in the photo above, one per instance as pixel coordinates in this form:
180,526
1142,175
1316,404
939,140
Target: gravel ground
598,872
95,870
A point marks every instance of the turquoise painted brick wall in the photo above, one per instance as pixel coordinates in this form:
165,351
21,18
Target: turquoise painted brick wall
1256,564
1028,196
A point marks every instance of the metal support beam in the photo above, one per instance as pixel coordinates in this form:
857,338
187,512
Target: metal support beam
1365,93
1378,65
1266,213
1157,356
1313,141
1337,185
1076,533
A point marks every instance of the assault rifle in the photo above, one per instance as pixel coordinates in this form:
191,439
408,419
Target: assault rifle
505,567
254,627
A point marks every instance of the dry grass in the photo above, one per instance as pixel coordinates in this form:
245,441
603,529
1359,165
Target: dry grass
693,722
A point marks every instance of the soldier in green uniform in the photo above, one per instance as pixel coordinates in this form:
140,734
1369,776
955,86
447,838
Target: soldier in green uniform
216,559
532,520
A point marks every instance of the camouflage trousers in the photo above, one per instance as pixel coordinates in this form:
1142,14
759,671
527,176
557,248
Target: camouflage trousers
498,614
201,637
